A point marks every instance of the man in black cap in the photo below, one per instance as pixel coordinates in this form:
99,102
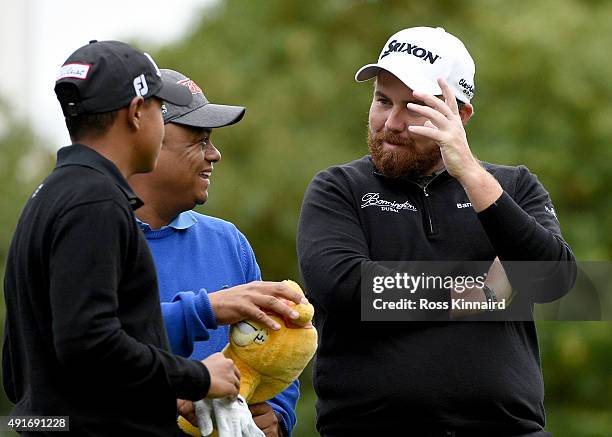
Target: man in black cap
84,335
207,273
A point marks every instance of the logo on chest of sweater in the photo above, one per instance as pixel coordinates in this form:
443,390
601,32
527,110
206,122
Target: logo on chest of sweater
373,199
464,205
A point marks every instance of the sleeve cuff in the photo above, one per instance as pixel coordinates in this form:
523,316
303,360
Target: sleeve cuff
280,415
206,381
205,311
281,422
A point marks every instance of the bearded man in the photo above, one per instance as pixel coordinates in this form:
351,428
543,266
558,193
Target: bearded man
421,195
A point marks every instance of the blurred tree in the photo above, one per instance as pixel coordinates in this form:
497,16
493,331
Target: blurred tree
23,164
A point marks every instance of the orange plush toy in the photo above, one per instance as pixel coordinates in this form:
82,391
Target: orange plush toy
269,361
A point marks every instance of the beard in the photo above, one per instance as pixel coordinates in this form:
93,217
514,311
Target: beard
404,161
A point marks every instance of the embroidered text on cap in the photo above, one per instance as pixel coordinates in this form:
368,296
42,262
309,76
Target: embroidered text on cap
412,49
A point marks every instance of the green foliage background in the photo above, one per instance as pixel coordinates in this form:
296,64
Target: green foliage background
543,93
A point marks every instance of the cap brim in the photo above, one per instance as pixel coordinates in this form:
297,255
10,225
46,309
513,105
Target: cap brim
211,116
174,93
367,72
410,77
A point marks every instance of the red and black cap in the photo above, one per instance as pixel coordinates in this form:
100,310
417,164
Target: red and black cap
105,76
200,112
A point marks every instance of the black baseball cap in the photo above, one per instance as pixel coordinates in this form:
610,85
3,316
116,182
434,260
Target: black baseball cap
200,112
104,76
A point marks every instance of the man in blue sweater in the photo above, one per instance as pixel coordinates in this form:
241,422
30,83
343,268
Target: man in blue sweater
196,255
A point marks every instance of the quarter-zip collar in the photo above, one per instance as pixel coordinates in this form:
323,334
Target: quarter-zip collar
429,218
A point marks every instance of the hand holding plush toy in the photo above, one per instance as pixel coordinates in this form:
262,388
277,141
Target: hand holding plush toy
269,361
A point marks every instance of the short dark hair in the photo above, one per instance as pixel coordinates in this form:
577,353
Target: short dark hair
81,124
92,125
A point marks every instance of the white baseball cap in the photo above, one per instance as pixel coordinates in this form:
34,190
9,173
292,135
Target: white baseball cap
418,56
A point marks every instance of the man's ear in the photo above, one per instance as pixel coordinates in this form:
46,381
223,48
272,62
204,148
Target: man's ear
465,112
134,113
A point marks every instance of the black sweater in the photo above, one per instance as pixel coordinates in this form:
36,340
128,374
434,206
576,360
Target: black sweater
84,335
372,377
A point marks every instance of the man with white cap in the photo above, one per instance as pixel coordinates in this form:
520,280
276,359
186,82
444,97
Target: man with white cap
207,273
422,195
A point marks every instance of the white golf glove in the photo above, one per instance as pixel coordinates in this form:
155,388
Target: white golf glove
232,418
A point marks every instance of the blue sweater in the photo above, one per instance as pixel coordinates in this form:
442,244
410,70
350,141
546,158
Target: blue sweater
195,255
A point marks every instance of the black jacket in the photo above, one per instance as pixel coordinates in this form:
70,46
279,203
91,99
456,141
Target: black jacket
84,335
373,376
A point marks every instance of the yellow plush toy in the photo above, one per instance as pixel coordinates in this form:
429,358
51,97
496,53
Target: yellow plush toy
269,361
